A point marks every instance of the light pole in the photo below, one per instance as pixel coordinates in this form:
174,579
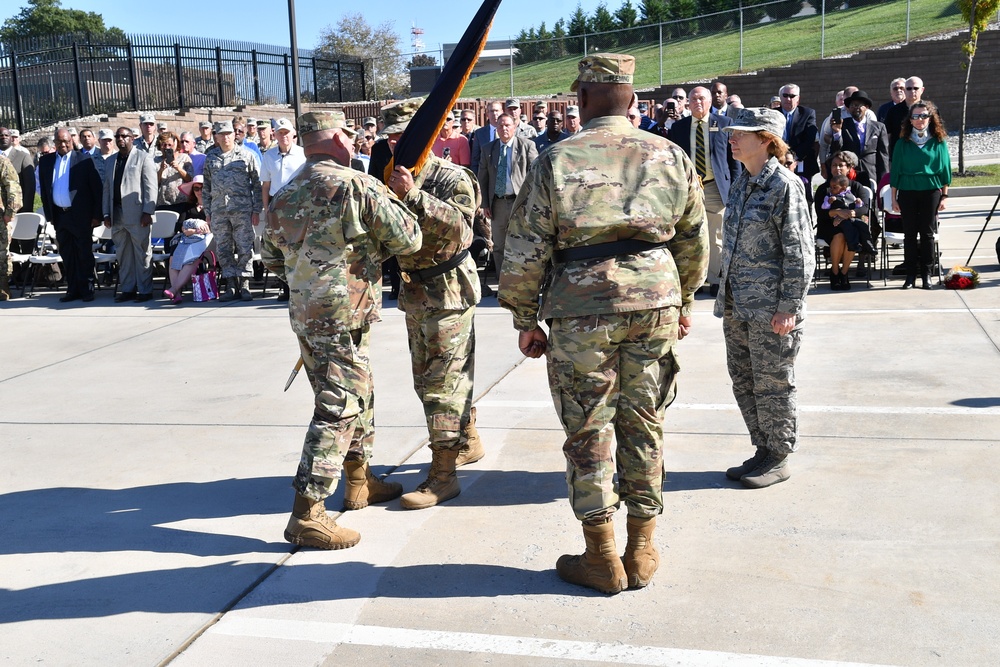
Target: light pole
296,104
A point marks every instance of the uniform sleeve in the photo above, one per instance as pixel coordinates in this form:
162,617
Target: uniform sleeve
208,171
11,188
798,248
689,246
257,202
449,216
531,237
272,256
389,221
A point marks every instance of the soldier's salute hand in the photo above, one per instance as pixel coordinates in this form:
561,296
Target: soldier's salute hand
532,343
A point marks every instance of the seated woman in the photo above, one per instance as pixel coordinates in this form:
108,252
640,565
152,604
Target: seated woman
845,229
192,242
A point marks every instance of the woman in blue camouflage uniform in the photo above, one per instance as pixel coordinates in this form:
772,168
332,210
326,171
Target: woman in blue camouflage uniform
767,264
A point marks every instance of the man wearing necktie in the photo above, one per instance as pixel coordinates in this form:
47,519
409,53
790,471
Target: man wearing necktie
502,171
800,130
700,136
485,135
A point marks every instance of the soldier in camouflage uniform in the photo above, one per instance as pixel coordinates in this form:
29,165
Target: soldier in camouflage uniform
767,263
439,295
610,228
10,202
232,201
327,233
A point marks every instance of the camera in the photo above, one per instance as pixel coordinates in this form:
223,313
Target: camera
168,155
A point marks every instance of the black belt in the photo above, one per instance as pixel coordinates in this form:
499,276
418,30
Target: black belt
436,270
506,197
64,210
605,250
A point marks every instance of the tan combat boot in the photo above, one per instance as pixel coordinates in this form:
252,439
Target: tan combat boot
5,291
364,489
599,567
441,483
311,526
641,557
472,447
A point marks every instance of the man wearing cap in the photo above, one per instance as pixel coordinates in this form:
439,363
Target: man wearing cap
572,124
370,126
130,188
439,294
450,147
147,128
265,138
204,140
231,197
485,135
502,172
513,107
279,165
610,228
325,234
106,141
700,136
24,166
865,137
10,202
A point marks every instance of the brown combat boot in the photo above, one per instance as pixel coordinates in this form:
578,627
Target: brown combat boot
599,567
472,448
5,292
364,489
311,526
441,483
641,557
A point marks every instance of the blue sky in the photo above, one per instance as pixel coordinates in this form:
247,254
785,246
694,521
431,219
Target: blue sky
267,21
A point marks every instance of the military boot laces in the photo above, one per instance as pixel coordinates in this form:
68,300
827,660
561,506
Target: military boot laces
599,567
641,558
772,470
364,488
472,445
311,526
441,483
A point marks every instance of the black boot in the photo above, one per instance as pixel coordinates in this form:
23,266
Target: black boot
910,279
925,280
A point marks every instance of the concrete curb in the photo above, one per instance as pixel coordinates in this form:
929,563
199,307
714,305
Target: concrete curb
975,191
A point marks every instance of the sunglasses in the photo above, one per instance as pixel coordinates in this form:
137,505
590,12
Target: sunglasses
124,136
920,116
789,96
914,87
898,88
197,188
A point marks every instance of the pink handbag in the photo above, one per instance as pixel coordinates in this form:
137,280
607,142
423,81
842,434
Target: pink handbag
204,284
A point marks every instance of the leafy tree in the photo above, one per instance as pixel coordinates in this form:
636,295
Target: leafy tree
544,46
577,28
521,47
653,11
784,10
559,39
42,18
679,10
626,16
385,68
978,13
602,22
422,60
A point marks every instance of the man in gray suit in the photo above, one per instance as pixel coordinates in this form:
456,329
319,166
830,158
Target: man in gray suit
129,202
502,170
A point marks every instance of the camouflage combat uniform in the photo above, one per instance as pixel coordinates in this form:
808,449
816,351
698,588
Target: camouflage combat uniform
767,264
440,309
326,235
10,202
231,195
613,320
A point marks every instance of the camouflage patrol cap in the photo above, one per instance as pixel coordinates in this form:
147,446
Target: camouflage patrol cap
397,116
317,121
204,123
758,119
605,68
223,127
263,123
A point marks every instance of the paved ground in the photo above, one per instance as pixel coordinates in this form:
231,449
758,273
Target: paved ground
147,453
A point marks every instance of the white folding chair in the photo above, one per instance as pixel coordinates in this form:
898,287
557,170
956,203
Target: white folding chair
890,240
27,227
46,252
102,235
258,235
164,224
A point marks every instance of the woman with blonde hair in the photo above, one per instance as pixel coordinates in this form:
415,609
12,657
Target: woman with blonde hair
767,265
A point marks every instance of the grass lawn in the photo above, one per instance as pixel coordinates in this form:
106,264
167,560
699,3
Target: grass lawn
767,45
991,177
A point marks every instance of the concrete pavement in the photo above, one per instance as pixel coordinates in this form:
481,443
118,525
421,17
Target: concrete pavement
148,452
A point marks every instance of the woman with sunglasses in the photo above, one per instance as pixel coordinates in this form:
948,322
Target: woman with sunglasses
920,177
193,241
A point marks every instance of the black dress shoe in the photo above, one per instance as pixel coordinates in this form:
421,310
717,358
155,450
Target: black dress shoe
909,282
69,297
141,298
88,297
125,296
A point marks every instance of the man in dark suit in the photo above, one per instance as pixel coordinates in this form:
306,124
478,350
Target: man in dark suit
866,138
896,116
713,160
485,135
800,130
502,170
71,198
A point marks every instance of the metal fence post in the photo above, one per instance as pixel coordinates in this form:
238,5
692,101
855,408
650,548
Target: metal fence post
660,26
180,76
907,22
340,83
511,49
315,82
741,36
288,88
218,75
18,106
78,75
256,79
822,31
131,77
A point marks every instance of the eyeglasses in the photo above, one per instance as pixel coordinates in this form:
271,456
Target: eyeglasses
789,96
914,87
679,97
123,136
899,88
239,130
920,116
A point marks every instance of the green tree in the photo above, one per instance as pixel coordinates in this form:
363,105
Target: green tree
576,29
422,60
602,23
559,39
978,13
626,16
385,68
653,11
43,18
544,46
